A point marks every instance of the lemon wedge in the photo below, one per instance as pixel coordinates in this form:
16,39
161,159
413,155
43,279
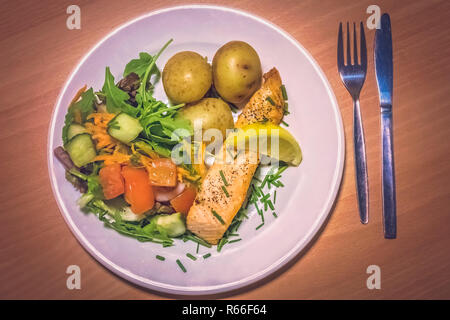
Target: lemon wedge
267,139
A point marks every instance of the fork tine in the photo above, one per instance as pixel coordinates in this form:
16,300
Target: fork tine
349,56
355,46
363,48
340,49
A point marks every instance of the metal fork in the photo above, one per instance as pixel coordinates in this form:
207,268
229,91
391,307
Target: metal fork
353,76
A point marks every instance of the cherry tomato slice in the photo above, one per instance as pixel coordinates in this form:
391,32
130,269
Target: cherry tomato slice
138,190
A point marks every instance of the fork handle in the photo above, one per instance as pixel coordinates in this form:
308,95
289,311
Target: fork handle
362,184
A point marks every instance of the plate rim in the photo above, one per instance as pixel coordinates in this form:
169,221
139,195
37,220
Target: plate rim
214,289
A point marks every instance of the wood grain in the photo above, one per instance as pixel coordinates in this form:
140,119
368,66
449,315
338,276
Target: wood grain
38,53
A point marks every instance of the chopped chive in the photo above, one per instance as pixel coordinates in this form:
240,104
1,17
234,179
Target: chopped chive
267,177
286,109
236,240
265,206
275,177
256,191
248,202
254,197
277,183
257,209
206,256
283,91
259,191
259,226
190,256
269,202
181,265
259,212
160,257
284,123
198,246
237,226
281,169
274,214
244,214
225,191
264,181
198,240
223,178
265,198
222,242
270,100
233,235
217,216
275,196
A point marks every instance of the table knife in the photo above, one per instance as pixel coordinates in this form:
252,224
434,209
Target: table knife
384,75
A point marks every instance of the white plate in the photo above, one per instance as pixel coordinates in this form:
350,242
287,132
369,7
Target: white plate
302,205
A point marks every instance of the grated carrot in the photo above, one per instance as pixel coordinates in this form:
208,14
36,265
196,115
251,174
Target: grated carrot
98,130
146,162
115,157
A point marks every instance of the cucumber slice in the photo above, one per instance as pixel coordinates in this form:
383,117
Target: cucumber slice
81,149
124,128
75,129
173,224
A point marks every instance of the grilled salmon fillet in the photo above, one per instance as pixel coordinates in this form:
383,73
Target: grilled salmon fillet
260,107
213,210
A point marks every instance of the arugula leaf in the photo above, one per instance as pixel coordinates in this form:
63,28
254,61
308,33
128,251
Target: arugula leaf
157,118
93,182
116,98
143,96
144,231
94,187
160,124
85,106
148,147
139,66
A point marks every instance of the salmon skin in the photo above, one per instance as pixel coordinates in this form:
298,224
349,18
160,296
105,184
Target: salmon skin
213,209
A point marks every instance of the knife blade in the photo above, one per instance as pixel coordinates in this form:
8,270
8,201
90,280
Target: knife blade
384,76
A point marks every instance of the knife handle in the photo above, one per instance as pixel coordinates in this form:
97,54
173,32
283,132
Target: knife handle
388,179
362,184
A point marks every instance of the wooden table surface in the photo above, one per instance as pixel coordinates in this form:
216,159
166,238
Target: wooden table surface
38,53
